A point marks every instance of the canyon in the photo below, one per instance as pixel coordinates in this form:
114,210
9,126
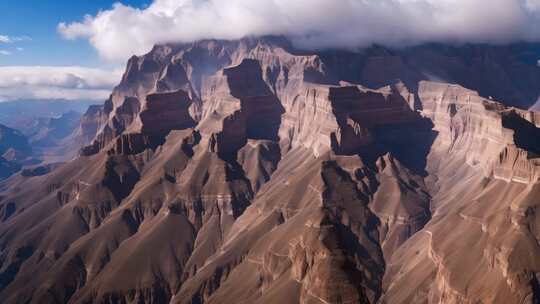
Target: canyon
248,171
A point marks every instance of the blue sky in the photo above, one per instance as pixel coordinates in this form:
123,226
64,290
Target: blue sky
38,20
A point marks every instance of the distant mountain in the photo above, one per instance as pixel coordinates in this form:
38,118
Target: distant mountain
22,114
47,124
14,151
8,168
47,140
49,131
53,139
13,144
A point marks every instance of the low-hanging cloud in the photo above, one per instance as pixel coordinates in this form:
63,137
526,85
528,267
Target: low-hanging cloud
52,82
123,30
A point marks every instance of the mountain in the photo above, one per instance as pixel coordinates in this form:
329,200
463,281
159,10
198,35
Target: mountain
51,126
508,73
14,150
251,172
48,141
49,131
24,114
53,138
13,144
8,168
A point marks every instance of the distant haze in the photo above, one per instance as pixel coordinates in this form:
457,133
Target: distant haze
123,30
21,114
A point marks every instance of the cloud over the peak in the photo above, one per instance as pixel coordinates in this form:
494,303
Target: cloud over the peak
51,82
123,30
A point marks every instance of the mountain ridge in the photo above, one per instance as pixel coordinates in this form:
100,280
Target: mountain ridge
228,170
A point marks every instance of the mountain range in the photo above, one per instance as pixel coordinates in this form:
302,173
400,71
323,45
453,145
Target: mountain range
249,171
23,114
40,140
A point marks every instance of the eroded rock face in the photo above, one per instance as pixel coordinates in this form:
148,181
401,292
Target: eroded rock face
488,181
245,171
484,133
165,112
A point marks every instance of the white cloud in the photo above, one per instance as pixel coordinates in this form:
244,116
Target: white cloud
43,82
5,53
9,39
122,30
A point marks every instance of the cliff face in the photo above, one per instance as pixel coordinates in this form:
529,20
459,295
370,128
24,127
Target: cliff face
235,171
481,244
506,73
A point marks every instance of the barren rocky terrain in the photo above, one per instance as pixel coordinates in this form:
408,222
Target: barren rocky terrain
251,172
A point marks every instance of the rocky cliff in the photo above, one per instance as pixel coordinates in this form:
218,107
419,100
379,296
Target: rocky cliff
247,171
